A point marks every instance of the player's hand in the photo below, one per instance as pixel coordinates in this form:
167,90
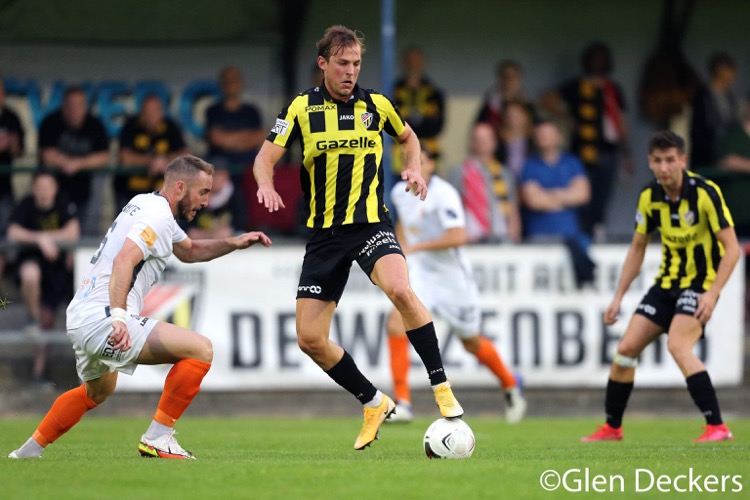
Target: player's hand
249,239
612,312
120,337
269,198
706,304
48,247
415,183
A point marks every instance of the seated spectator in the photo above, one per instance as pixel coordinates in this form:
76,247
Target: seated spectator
234,132
593,107
150,140
715,110
11,147
73,143
215,221
488,191
553,186
516,144
497,104
40,223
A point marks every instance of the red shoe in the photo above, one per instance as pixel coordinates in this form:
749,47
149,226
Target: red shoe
605,433
715,433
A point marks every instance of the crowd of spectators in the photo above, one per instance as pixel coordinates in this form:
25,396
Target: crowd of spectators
535,169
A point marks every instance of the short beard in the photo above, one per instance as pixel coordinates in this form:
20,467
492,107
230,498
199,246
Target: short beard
183,210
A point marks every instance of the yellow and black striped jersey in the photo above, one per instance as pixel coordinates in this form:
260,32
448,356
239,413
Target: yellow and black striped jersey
342,148
690,250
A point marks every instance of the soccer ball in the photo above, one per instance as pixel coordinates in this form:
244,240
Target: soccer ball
449,438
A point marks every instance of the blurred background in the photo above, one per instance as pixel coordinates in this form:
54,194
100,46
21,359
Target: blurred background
151,72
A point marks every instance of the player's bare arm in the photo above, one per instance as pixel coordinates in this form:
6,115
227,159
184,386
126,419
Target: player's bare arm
707,301
268,156
189,250
630,269
125,262
412,174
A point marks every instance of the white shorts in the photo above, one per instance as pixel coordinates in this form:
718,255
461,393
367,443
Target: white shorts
456,302
94,354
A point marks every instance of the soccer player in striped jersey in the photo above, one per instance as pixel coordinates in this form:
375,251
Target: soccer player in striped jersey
699,252
339,126
103,319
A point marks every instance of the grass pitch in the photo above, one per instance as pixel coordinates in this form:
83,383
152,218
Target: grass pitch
313,458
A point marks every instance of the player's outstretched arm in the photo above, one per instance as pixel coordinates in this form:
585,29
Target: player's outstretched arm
268,156
189,250
412,174
630,269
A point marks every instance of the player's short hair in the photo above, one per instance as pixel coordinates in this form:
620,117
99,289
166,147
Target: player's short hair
594,50
666,139
338,37
720,60
73,89
185,168
501,66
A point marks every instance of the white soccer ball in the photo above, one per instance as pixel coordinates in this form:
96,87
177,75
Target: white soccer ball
449,438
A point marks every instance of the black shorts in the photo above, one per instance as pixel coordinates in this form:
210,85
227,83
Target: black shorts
57,280
660,305
330,252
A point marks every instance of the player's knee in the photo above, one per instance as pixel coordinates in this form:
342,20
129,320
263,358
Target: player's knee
100,392
206,351
401,295
311,345
677,348
623,361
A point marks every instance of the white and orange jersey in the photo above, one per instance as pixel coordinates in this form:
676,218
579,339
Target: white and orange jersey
148,222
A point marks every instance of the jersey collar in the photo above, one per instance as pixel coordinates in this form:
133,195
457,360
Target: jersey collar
357,94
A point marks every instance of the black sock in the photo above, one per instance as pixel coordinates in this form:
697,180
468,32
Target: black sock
425,343
347,375
704,395
616,400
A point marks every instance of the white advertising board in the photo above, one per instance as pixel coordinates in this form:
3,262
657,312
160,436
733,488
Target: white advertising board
544,328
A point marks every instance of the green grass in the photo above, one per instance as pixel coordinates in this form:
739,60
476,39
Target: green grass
305,458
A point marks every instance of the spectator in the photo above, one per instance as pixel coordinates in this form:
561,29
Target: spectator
11,147
40,223
497,105
235,132
553,186
488,191
516,144
420,102
714,111
215,221
734,156
74,143
150,140
593,106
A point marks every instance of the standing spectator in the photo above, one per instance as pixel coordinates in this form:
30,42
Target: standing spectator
420,102
235,132
74,143
553,186
150,140
734,156
488,191
516,144
715,110
593,106
40,222
496,107
11,147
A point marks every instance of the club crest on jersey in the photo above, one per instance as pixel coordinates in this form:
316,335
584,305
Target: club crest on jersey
689,217
366,119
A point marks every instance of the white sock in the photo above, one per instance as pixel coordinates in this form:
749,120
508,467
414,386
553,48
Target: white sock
30,449
376,401
156,430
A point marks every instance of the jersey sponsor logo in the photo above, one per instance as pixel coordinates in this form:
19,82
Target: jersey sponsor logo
280,127
689,217
320,107
149,236
360,142
310,288
88,285
346,117
366,119
648,309
680,240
